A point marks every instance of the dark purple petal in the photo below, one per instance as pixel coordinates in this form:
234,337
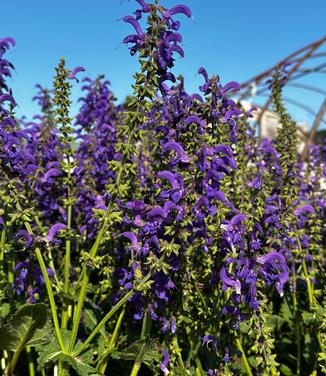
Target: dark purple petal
72,74
25,235
234,86
54,230
134,23
175,146
145,7
183,9
224,149
274,269
132,237
8,40
238,218
304,209
165,362
7,98
194,119
229,282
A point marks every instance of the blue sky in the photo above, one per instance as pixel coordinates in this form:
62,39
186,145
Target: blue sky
235,39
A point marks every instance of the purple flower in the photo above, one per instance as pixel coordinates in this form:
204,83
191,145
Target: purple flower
235,221
134,23
53,231
234,86
303,210
229,282
175,146
183,9
165,362
132,237
194,119
145,7
8,98
274,270
26,236
204,87
224,149
72,74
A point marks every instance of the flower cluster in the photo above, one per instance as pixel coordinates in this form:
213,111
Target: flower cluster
166,208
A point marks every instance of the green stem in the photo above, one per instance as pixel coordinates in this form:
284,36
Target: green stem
144,332
51,298
102,364
82,293
116,329
305,270
48,287
192,352
179,356
298,339
115,308
51,263
31,367
2,251
68,247
103,322
13,363
244,358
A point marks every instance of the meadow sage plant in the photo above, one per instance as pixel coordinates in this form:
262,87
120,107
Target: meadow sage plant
160,235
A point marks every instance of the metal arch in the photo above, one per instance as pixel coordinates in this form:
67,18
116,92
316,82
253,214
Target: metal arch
299,69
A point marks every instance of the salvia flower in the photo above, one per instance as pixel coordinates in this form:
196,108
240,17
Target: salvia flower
274,270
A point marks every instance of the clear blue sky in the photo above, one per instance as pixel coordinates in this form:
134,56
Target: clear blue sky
235,39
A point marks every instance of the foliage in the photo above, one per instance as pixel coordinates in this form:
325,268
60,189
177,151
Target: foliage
160,235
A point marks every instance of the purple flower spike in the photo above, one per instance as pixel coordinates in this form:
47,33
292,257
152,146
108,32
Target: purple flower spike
54,230
304,209
175,146
164,364
72,74
134,23
183,9
132,237
234,86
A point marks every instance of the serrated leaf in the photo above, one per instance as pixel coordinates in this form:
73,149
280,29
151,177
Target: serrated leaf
52,353
30,326
149,348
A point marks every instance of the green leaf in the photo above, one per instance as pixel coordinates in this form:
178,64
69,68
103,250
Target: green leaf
285,370
4,310
91,322
52,353
30,326
148,348
308,317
